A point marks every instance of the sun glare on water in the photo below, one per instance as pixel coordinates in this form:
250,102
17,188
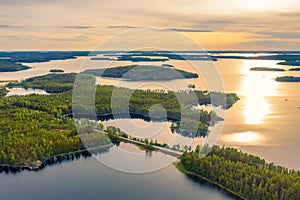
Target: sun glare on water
255,88
245,137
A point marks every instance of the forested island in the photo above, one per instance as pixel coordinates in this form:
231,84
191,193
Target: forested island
288,79
36,127
11,67
289,58
243,175
40,56
295,69
56,70
271,69
139,105
140,59
290,62
11,61
154,56
142,73
267,69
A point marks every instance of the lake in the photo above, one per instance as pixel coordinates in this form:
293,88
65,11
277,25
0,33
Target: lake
86,178
264,122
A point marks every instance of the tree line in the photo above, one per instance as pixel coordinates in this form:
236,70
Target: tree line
242,173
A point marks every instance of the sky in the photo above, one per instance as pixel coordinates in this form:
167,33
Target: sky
214,24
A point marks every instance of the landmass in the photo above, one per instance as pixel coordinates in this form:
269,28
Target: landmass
155,56
288,79
272,69
51,83
56,71
44,127
37,129
40,56
290,57
266,69
142,73
3,91
243,175
167,65
140,59
290,62
294,69
11,67
102,58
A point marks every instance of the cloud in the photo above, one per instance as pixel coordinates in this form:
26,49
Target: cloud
289,14
188,30
66,39
9,26
273,44
63,39
220,21
14,37
280,35
125,26
164,29
77,27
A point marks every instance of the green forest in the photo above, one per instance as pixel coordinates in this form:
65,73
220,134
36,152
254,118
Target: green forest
35,127
142,72
11,67
246,175
178,105
288,79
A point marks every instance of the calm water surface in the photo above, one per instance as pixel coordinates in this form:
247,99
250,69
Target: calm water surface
264,122
86,178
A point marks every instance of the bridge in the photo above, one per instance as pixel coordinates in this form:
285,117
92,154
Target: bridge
167,151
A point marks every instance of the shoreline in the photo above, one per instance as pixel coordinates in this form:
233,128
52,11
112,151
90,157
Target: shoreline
40,164
207,181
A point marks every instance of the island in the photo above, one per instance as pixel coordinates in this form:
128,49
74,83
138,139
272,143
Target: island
44,124
40,56
267,69
142,73
101,58
56,70
270,55
288,79
295,69
192,86
140,59
290,62
271,69
38,130
242,175
11,67
167,65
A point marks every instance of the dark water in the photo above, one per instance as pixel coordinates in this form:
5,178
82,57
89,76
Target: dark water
86,178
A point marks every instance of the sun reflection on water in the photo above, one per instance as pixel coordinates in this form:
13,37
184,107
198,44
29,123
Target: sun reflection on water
256,87
246,138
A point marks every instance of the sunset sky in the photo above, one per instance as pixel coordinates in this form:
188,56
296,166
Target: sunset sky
215,24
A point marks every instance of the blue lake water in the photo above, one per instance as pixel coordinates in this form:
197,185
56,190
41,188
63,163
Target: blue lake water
264,122
86,178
